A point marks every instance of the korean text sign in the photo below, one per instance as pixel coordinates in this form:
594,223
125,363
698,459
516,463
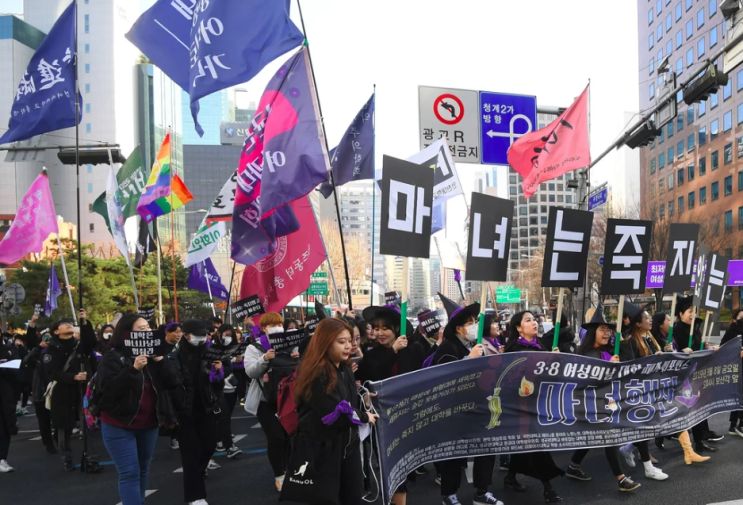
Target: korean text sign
137,343
247,307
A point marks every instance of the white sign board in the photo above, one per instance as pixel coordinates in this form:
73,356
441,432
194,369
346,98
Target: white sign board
452,114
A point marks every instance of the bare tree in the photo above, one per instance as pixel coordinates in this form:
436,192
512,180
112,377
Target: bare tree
358,256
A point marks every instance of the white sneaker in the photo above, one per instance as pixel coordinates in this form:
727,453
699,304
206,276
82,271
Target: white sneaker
198,502
654,473
5,467
629,456
279,481
212,466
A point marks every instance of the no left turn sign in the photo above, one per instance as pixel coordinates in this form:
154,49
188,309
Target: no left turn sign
448,109
452,114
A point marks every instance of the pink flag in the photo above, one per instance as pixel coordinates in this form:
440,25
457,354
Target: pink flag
34,221
560,147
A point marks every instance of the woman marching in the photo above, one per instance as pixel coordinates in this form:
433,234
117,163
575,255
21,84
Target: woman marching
330,414
460,337
736,329
595,344
539,465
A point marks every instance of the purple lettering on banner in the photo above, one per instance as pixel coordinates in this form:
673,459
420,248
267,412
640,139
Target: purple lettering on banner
657,273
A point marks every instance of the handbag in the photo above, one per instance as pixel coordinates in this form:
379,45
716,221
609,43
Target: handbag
313,471
51,385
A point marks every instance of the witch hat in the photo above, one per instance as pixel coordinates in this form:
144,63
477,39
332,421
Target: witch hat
683,304
320,311
634,312
599,319
457,314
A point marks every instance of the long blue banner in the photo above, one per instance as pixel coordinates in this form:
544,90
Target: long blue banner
534,401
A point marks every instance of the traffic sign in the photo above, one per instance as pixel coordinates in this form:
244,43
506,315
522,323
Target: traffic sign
450,113
503,119
598,199
320,274
507,294
601,261
318,288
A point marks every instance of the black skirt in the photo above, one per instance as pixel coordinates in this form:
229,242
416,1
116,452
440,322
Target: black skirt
538,465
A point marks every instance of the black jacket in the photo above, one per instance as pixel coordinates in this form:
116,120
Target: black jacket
33,361
8,423
422,349
67,396
736,328
121,386
565,341
512,345
383,362
451,349
196,390
323,403
681,335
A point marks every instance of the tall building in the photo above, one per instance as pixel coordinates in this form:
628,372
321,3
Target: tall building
693,171
435,263
450,287
420,284
213,109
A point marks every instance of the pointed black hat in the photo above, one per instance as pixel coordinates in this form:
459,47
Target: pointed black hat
457,314
634,312
599,319
683,304
320,311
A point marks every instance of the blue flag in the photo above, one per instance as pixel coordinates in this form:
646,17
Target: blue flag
45,98
197,279
52,292
353,159
205,47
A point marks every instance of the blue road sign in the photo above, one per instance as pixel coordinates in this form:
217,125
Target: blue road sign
503,119
598,199
601,261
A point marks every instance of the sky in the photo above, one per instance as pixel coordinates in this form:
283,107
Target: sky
540,47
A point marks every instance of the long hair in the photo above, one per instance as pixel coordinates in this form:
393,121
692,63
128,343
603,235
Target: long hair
516,322
126,323
361,325
588,341
487,324
315,364
639,337
659,319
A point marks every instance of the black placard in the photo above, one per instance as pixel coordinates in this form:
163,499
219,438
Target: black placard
715,282
682,244
700,274
432,321
285,341
38,309
489,241
566,248
146,312
407,197
626,256
148,343
217,352
391,298
247,307
310,324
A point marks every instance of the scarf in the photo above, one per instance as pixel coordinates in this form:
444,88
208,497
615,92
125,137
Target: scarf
343,408
605,356
527,343
494,342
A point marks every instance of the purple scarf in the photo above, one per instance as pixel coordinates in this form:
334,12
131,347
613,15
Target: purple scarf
533,343
216,375
605,356
265,342
494,342
343,408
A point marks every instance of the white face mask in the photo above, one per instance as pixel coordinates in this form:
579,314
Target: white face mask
472,332
197,340
275,329
107,336
226,340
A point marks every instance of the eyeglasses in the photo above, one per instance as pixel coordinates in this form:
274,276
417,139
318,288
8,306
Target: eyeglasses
605,331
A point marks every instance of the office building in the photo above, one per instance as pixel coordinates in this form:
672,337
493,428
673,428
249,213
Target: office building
213,109
435,263
692,172
420,285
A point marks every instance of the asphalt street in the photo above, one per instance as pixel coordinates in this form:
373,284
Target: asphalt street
39,477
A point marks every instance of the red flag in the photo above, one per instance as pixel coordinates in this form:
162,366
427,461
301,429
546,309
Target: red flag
560,147
286,273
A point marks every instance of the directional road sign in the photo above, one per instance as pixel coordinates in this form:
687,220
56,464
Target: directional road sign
318,288
450,113
503,119
598,199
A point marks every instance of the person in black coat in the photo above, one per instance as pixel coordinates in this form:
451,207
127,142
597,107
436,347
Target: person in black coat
34,362
8,423
736,329
660,330
225,336
67,362
566,339
539,465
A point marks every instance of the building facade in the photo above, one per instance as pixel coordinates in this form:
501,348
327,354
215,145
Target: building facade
213,109
692,172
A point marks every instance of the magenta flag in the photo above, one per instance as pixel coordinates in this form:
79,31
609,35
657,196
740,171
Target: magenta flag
558,148
34,221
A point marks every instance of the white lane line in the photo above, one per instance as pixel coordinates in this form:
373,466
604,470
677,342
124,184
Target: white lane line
734,502
35,438
178,470
257,425
468,472
28,431
146,494
238,438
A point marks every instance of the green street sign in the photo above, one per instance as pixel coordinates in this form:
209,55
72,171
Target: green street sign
507,294
320,275
318,289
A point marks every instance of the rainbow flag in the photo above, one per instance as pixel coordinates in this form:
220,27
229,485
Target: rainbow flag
162,189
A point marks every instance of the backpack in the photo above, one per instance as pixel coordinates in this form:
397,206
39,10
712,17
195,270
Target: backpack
282,367
91,400
286,406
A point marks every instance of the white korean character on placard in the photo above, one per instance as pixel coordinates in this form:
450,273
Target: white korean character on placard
628,260
499,244
565,241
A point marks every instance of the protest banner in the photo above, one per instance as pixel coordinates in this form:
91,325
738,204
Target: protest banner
310,324
537,401
217,352
247,307
146,312
38,309
285,341
432,321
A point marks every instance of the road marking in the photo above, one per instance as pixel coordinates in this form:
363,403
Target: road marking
734,502
468,472
146,493
35,439
257,425
178,470
28,431
243,417
238,438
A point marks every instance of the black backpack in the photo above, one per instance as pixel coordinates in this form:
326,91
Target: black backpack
282,366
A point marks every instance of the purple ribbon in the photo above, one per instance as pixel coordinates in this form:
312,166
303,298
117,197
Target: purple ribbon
494,342
265,342
532,343
343,408
605,356
216,375
457,275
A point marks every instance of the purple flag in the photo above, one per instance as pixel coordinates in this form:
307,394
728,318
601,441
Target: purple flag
353,159
52,292
197,279
283,159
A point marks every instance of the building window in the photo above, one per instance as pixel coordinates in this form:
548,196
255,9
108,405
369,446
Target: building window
87,23
728,220
700,18
714,129
689,4
662,136
669,129
87,88
87,68
650,16
661,185
700,48
702,108
681,204
677,11
689,29
670,155
680,149
691,200
727,121
658,7
702,195
552,198
679,39
90,168
690,172
92,226
715,160
87,127
662,211
652,166
715,191
669,24
712,37
679,122
651,42
739,80
740,113
659,32
90,187
660,55
728,185
740,225
689,57
87,107
690,114
652,65
740,181
712,7
714,99
680,177
728,153
670,182
740,147
87,48
551,186
702,136
90,207
702,166
670,208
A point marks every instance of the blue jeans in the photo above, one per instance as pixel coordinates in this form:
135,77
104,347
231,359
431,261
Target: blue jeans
132,452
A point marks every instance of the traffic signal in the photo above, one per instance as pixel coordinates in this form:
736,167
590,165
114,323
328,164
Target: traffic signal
643,135
705,85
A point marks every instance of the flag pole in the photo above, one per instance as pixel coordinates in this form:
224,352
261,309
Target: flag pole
66,280
229,293
159,275
140,279
172,226
327,148
77,174
209,287
374,194
327,258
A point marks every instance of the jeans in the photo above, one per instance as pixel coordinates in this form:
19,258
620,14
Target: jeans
132,452
224,419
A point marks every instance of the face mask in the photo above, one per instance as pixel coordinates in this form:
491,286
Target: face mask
226,340
197,340
275,329
472,332
106,336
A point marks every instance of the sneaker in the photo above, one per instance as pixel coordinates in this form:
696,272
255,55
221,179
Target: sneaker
68,466
655,473
486,499
75,431
5,467
450,500
213,465
220,447
503,467
629,456
18,411
627,484
198,502
279,483
234,451
233,436
24,411
174,444
93,467
714,437
421,470
437,480
577,474
739,431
